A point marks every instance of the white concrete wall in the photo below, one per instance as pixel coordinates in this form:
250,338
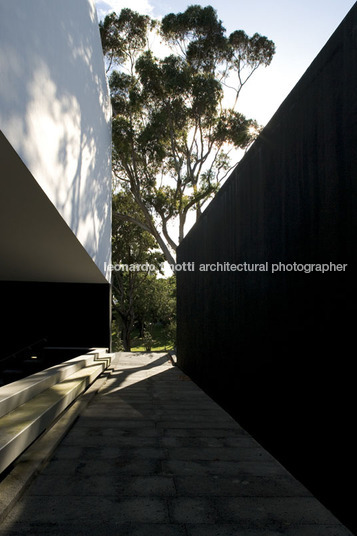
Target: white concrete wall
55,110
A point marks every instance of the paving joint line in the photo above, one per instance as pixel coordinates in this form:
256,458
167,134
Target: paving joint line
38,454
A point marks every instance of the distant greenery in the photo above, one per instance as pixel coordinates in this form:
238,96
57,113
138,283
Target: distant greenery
141,300
162,338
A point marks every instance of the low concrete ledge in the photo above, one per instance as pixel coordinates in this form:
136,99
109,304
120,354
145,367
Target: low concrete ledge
47,396
16,393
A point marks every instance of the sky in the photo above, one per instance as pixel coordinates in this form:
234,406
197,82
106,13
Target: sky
299,29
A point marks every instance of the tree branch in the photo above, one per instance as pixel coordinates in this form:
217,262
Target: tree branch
167,236
125,217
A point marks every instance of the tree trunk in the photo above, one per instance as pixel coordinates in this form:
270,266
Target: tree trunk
149,221
141,327
127,322
126,336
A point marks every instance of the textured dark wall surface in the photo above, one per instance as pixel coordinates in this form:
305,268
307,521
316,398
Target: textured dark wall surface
277,350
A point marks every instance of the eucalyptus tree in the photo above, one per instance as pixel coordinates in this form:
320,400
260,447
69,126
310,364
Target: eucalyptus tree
175,116
136,260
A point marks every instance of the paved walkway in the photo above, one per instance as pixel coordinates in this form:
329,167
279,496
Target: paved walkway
152,455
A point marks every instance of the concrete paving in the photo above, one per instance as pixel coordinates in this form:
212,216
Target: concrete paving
153,455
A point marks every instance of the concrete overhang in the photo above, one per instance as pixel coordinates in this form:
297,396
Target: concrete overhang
36,244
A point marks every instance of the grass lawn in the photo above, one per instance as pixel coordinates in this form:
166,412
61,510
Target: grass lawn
160,342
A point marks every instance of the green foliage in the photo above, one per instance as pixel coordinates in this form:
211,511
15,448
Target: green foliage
170,333
233,127
254,51
157,301
132,246
139,297
124,36
199,34
117,343
162,340
172,133
147,340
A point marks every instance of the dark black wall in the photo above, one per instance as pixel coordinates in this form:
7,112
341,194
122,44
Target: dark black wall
278,350
65,314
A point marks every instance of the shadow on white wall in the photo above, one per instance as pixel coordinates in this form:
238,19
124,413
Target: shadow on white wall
55,111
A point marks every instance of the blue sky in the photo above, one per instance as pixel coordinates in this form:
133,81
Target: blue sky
299,29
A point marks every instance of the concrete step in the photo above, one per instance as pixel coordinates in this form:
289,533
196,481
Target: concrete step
20,391
23,424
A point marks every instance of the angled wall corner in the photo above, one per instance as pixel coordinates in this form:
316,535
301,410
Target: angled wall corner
55,111
55,176
36,244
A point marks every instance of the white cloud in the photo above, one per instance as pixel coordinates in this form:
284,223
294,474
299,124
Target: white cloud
104,7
